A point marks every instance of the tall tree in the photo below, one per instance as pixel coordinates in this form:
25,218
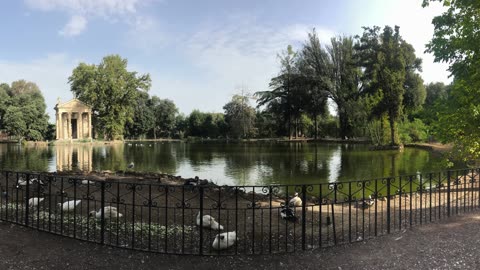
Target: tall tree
334,74
4,101
284,88
111,90
165,112
143,119
240,117
387,59
455,41
25,115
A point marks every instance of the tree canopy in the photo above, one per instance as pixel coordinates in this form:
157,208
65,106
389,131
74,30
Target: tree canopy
22,110
455,41
111,90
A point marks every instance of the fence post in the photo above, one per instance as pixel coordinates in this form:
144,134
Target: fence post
448,193
304,201
102,217
200,195
27,197
388,205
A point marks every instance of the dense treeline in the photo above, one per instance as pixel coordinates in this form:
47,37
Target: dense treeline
22,111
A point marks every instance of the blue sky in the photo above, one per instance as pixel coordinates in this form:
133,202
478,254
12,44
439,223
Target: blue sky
198,53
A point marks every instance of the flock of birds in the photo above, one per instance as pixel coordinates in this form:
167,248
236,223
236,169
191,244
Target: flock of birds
69,206
222,240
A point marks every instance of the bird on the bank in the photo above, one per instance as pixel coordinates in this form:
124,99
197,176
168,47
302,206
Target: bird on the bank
87,182
192,182
33,202
224,240
209,222
109,212
69,205
131,165
288,214
295,201
365,203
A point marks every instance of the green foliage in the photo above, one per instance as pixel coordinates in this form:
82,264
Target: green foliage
414,131
390,65
164,112
111,90
206,125
143,119
22,112
240,117
455,40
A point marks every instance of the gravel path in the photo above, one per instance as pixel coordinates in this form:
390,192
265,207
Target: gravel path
450,244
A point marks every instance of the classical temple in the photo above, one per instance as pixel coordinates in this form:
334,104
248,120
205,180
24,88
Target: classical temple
74,120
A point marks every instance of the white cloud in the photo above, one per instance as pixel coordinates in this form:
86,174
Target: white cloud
146,34
74,27
88,7
50,73
81,10
240,52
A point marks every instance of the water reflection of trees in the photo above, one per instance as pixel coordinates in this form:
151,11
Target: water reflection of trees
25,158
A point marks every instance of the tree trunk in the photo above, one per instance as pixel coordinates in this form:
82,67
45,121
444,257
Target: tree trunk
392,131
316,126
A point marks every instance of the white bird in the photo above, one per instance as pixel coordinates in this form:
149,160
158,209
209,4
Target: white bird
209,222
70,205
295,201
131,165
224,240
33,202
87,182
22,182
110,212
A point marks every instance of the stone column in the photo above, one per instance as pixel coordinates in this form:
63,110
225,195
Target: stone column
89,125
56,126
69,125
80,125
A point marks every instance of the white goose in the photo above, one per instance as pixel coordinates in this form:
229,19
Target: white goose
295,201
209,222
70,205
33,202
87,182
224,240
110,212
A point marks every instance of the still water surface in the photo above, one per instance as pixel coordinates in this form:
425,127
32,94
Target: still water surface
227,163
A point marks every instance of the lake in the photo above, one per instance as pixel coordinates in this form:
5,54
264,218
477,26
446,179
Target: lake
227,163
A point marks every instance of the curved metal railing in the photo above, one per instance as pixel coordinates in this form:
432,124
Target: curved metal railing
148,215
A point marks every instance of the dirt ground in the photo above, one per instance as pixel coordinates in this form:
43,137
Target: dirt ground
449,244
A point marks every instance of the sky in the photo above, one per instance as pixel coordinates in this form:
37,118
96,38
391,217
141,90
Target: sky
198,53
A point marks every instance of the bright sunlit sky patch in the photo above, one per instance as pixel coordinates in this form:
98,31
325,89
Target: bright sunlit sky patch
198,53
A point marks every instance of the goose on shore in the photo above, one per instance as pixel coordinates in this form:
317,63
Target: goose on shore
109,212
33,202
209,222
288,214
87,182
69,205
131,165
224,240
365,203
295,201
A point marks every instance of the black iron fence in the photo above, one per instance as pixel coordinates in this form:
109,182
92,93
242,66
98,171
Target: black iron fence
208,219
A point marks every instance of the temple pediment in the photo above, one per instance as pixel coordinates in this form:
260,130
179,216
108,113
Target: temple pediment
73,105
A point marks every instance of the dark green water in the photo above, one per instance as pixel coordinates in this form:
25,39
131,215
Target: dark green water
228,163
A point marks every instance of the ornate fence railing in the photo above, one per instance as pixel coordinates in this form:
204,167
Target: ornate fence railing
147,215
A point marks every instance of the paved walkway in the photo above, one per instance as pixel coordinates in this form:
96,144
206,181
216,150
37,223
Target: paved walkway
450,244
